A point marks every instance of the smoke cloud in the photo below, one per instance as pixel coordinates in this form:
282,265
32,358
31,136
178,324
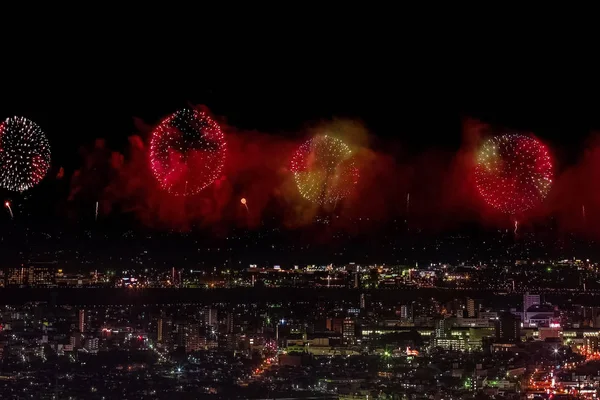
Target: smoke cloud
432,190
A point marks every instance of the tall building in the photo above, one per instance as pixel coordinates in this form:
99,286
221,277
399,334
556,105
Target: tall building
508,328
335,325
91,345
471,308
443,326
193,341
230,323
81,321
75,340
159,336
406,311
349,330
530,300
590,345
210,317
363,301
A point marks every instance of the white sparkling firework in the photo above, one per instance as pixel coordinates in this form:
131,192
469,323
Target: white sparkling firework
24,154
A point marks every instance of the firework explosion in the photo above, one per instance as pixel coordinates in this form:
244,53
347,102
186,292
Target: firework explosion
187,152
513,172
24,154
324,170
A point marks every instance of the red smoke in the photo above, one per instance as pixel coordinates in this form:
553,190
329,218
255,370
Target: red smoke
257,169
575,197
439,184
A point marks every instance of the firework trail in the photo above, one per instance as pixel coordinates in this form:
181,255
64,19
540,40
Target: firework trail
244,202
407,202
96,211
583,212
7,205
516,227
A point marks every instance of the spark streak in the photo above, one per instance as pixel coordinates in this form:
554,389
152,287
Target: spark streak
96,211
7,205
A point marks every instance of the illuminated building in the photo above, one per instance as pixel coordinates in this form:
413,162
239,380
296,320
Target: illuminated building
450,343
539,315
590,345
406,311
91,345
335,324
471,308
349,329
81,321
39,274
193,341
15,276
159,337
210,317
42,275
530,300
230,323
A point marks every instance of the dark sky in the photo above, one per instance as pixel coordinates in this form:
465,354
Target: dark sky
414,107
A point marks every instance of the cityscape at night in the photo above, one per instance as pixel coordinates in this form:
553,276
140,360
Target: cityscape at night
368,236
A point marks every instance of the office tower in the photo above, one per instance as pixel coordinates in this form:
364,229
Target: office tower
230,322
210,317
508,328
348,331
159,336
193,341
81,321
471,308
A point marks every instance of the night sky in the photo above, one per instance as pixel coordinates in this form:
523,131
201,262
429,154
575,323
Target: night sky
411,110
396,109
416,100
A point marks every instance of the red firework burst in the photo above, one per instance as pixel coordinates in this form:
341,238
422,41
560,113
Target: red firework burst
513,172
187,152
